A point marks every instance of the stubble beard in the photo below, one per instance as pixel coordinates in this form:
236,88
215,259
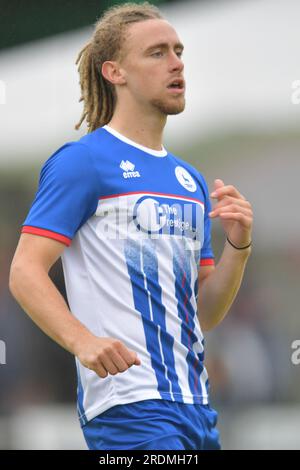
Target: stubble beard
168,108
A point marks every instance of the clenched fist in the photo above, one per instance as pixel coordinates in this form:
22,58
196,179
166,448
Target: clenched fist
106,356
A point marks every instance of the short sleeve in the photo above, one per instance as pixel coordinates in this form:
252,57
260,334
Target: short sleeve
67,194
206,255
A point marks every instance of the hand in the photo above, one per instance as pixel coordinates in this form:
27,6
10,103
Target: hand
106,355
234,211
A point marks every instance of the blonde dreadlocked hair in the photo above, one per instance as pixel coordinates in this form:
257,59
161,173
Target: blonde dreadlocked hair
97,93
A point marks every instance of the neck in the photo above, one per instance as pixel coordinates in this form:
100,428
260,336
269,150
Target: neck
143,128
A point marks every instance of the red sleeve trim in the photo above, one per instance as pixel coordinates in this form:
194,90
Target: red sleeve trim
207,262
46,233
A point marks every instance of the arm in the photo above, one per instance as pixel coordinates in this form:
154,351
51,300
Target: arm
218,286
32,287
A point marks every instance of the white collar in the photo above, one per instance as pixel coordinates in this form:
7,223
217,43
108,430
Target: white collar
156,153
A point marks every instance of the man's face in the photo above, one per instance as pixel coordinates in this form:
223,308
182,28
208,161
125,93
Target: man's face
152,60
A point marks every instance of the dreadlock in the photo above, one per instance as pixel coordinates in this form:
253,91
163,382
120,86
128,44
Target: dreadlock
97,93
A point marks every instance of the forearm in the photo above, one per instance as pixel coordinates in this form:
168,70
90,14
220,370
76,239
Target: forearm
40,299
220,288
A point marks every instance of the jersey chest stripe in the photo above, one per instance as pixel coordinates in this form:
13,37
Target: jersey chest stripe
150,267
183,291
134,260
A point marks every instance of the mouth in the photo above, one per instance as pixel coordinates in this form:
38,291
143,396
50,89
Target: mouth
176,86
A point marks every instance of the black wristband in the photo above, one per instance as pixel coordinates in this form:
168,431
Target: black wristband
239,247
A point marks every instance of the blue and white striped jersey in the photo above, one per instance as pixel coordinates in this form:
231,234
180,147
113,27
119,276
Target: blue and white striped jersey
136,226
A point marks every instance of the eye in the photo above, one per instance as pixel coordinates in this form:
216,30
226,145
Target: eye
179,53
157,54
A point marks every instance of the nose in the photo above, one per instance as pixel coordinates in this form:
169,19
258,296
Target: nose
176,63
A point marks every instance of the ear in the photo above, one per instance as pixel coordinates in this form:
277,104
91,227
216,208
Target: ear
112,71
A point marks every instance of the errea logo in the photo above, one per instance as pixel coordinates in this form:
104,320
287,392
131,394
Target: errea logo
128,168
